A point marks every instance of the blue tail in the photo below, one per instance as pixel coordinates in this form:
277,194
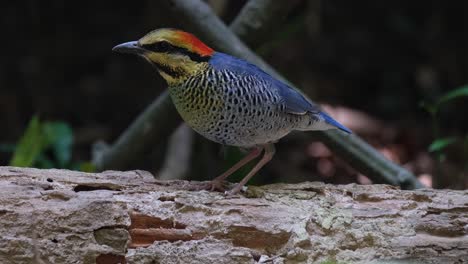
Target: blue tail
333,122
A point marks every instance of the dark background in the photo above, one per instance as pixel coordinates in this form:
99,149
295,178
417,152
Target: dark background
375,61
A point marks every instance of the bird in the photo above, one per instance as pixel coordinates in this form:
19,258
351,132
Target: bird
227,99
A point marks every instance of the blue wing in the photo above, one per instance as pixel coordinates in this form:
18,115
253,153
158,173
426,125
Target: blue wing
296,104
292,100
333,122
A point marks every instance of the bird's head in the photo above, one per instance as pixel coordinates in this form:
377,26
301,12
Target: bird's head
176,54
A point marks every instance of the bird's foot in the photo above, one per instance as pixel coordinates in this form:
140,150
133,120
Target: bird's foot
218,185
223,186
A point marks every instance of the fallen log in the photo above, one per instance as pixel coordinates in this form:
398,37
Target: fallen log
61,216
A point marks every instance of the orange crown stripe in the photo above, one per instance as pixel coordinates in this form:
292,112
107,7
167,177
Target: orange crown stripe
196,44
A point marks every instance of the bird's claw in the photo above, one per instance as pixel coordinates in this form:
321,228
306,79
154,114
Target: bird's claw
234,191
223,186
216,185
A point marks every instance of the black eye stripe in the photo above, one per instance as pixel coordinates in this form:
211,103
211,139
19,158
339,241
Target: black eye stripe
166,47
160,46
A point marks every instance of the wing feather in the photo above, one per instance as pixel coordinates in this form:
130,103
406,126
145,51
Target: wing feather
293,101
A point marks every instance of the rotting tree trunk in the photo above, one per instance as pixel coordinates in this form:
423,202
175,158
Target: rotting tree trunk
60,216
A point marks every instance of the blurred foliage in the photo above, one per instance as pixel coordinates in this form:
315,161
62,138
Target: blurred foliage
30,145
440,143
434,108
45,145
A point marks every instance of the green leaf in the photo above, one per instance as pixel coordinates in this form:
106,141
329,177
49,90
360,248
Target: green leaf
59,137
29,146
459,92
441,143
433,108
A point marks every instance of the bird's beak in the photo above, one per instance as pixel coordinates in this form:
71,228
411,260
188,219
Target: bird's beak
130,47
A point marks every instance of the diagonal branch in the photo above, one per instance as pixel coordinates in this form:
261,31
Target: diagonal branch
200,19
151,127
259,18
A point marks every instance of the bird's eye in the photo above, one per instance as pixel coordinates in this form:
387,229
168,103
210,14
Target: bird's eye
163,46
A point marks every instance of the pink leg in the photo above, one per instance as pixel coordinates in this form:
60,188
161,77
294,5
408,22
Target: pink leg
269,152
216,184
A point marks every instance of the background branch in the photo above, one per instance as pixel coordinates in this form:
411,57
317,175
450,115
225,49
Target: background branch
260,19
201,20
179,153
152,126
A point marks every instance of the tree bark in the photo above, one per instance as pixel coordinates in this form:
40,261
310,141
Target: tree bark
60,216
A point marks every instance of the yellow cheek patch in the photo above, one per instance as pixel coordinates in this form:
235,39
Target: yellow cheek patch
174,68
157,58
